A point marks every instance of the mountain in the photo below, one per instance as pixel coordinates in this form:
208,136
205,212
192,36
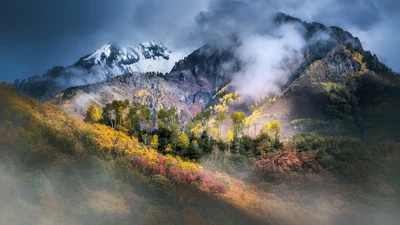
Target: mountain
103,64
189,86
320,151
332,58
194,80
342,94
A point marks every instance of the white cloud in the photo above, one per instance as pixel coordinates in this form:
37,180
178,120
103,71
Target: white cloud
268,60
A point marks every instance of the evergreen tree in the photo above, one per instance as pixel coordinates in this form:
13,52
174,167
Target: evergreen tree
194,150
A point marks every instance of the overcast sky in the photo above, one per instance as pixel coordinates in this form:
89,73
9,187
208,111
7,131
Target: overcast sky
37,35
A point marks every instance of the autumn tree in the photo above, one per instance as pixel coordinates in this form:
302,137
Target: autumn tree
145,138
206,120
168,119
183,141
115,112
168,125
189,126
197,130
273,129
93,114
229,137
109,115
120,109
219,118
137,115
238,121
154,142
255,116
168,149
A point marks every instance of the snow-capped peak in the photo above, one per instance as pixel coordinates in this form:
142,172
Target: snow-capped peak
97,54
149,44
144,57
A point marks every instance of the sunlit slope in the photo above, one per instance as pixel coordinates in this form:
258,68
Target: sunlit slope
56,169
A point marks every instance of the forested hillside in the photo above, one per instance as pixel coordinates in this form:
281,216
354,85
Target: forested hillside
56,169
59,169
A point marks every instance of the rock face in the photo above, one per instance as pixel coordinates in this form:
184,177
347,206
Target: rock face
105,63
150,90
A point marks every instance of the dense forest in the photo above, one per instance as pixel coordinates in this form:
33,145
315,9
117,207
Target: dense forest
201,136
126,165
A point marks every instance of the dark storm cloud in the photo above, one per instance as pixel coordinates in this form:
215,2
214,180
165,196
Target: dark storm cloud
361,14
36,35
49,19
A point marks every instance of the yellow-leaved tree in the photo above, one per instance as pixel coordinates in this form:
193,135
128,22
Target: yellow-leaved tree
273,129
154,142
183,141
229,138
93,114
168,149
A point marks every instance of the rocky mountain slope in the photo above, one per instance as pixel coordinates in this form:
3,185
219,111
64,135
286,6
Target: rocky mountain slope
189,86
105,63
347,93
148,89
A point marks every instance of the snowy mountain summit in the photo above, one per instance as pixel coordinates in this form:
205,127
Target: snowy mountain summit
107,62
144,57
